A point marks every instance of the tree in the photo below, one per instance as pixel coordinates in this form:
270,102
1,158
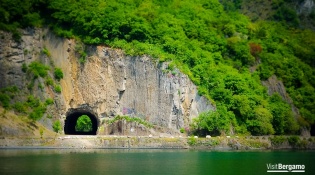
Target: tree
255,49
218,121
57,126
260,123
84,124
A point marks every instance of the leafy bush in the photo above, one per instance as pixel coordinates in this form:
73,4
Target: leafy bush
33,101
38,69
283,120
58,74
294,141
38,108
49,101
6,94
46,52
49,81
24,67
58,88
5,100
37,112
277,140
20,107
57,126
192,141
130,119
215,121
84,124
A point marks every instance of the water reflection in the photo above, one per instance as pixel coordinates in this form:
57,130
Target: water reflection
121,161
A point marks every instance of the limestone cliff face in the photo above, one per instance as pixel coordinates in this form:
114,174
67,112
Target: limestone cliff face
109,83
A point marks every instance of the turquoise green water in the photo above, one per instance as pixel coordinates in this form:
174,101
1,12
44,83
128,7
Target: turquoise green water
136,162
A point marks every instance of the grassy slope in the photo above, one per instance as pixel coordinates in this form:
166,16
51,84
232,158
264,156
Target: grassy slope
12,125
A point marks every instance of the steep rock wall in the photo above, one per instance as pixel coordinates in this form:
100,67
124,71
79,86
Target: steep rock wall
109,83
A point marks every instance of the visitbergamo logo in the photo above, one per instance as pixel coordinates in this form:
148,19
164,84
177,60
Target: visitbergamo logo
282,168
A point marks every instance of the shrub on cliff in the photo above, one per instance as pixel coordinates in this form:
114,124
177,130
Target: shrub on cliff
38,69
58,74
57,126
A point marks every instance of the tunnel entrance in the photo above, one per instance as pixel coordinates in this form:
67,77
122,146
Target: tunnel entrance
313,130
71,122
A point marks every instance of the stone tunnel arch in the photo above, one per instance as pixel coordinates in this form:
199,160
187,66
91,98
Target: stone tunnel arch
71,119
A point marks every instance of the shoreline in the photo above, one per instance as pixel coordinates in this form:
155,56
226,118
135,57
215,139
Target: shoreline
148,142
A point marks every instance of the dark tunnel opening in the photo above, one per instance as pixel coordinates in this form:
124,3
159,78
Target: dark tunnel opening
313,130
71,121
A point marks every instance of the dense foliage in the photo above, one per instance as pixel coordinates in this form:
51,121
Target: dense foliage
129,119
33,107
21,13
84,124
29,104
216,47
58,74
57,126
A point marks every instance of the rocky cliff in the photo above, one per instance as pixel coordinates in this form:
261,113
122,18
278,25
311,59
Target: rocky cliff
107,84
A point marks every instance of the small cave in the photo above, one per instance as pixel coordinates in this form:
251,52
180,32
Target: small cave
313,130
71,120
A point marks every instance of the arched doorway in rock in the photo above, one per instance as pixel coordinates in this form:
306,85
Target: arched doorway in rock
313,130
72,117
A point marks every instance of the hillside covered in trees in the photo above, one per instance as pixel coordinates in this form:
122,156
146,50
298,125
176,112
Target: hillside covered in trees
225,53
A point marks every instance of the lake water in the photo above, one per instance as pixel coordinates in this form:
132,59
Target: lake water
139,162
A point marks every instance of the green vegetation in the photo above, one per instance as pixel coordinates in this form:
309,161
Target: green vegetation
84,124
49,101
57,126
224,53
24,67
80,51
19,14
38,108
57,88
129,119
215,121
192,141
6,95
41,132
277,140
5,100
49,81
33,107
294,141
58,74
37,69
46,52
